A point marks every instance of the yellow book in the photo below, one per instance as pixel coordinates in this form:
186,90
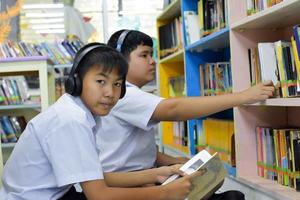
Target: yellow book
281,70
297,61
200,17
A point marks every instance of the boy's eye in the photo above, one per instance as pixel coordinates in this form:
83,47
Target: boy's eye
118,84
101,81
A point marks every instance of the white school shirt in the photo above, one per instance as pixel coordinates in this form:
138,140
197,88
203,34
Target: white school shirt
126,138
56,150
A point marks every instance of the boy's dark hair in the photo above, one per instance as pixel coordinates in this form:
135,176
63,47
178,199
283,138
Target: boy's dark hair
131,42
91,55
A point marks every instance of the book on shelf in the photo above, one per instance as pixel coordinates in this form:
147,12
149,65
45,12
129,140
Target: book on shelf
278,62
176,86
254,6
13,90
218,134
278,155
212,16
213,174
11,128
170,37
215,78
191,21
59,52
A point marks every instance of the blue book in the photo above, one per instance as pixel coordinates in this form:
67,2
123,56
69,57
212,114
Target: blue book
296,33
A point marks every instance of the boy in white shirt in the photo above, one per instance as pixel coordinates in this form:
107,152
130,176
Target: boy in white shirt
58,148
132,147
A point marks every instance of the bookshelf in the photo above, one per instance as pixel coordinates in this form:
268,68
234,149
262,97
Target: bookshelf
231,44
185,62
35,65
270,25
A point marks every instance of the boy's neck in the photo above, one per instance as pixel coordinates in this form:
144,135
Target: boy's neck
139,85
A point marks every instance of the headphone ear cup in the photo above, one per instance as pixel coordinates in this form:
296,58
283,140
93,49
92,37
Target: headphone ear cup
78,86
70,85
123,89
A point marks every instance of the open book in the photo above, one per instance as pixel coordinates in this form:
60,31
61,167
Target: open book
206,184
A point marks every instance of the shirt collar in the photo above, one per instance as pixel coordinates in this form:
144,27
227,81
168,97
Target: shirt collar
90,116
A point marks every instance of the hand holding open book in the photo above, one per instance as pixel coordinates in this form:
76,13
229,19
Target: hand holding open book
209,180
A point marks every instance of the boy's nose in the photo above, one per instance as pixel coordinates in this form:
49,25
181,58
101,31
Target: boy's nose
152,61
108,92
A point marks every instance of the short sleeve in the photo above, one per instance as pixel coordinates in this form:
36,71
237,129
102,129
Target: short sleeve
72,153
137,107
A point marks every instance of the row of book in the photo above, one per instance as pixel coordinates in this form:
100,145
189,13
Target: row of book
278,155
219,137
215,79
13,90
170,37
211,17
177,86
279,62
11,128
59,52
180,133
254,6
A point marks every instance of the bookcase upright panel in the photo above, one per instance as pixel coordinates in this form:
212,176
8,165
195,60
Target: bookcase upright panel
269,25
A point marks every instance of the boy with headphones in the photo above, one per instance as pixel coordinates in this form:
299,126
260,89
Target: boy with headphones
58,148
133,146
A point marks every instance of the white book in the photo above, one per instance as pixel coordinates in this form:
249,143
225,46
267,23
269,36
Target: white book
209,182
268,62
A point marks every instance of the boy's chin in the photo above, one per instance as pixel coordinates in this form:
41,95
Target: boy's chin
102,112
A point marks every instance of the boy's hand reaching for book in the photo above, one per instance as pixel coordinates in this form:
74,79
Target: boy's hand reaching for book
259,92
164,172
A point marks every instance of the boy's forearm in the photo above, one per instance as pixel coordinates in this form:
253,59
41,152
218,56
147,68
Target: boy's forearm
98,190
166,160
131,179
181,109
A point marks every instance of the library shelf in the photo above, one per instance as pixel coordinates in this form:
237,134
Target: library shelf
270,188
270,17
214,41
8,145
170,11
287,102
21,106
175,57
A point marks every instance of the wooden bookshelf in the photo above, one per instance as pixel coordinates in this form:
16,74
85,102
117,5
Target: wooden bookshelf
232,44
269,18
175,57
36,65
185,62
269,25
214,41
171,11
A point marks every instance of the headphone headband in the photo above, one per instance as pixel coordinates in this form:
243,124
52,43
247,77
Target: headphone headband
78,59
121,39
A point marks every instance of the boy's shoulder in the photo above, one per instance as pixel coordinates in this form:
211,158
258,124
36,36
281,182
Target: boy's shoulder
65,110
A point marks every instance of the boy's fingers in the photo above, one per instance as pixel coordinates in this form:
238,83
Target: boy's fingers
269,82
197,173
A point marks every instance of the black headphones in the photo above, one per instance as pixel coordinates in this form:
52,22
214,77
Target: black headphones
121,39
73,84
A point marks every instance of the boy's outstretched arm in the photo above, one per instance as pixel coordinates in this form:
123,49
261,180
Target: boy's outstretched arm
180,109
